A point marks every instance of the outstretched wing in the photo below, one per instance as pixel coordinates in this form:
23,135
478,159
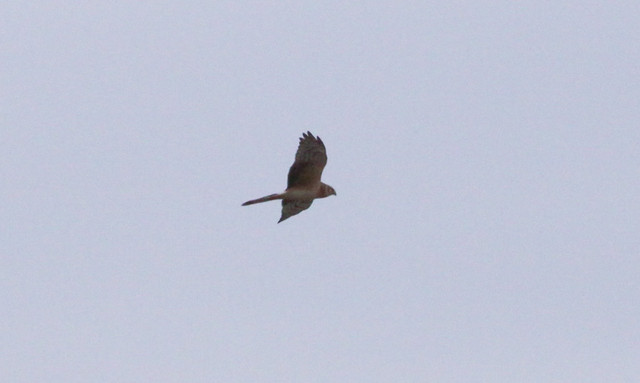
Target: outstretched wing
293,207
311,158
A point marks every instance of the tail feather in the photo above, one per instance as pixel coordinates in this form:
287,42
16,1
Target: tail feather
270,197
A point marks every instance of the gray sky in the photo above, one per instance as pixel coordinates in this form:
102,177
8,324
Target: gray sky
485,154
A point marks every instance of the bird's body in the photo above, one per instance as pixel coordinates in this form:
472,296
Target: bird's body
303,181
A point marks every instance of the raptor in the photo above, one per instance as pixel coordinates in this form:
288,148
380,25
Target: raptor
303,182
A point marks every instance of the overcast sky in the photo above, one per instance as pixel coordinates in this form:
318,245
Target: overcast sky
486,157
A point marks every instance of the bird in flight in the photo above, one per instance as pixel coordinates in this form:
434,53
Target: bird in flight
303,182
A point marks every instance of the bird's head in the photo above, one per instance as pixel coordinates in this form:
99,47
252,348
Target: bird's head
327,190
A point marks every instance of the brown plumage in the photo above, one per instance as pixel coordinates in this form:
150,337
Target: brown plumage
303,181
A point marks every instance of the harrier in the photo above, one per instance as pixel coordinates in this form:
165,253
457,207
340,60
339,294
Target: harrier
303,182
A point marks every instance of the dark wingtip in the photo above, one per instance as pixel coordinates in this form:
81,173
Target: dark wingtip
308,134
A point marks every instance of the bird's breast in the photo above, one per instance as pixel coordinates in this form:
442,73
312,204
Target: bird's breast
303,194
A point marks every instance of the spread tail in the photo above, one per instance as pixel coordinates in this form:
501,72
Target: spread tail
270,197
